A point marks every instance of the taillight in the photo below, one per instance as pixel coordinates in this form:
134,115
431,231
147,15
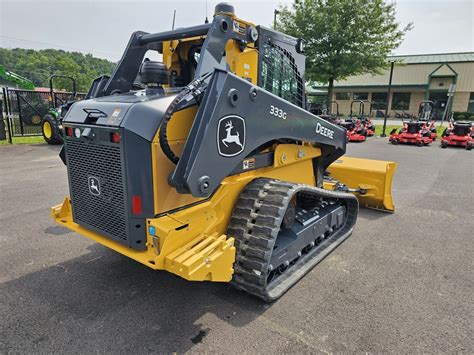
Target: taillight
115,137
136,204
69,131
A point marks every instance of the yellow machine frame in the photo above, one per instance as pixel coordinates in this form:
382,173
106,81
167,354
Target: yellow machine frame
191,242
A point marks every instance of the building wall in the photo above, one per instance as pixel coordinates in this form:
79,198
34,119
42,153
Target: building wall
465,72
441,83
464,87
417,95
413,78
416,98
460,101
344,107
414,74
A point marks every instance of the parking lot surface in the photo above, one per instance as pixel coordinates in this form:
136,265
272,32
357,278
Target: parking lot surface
403,282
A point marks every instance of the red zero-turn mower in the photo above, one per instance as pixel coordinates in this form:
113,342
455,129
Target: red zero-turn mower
425,115
355,132
330,117
367,121
368,125
460,134
364,120
412,132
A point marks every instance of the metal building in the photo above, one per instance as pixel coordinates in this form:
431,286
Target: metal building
415,78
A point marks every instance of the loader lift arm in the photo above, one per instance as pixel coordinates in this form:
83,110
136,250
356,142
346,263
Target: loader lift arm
202,166
216,34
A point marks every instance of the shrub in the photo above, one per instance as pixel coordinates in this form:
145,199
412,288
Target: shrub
459,116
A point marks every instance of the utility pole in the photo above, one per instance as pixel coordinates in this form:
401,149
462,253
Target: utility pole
392,63
174,17
275,13
447,109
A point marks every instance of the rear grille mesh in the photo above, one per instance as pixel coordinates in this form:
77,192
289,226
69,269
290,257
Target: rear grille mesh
106,212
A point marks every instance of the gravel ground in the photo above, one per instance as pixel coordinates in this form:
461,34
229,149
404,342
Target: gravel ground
402,283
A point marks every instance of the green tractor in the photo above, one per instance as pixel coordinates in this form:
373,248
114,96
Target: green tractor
51,124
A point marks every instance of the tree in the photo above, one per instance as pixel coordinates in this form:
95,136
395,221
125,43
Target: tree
343,37
39,65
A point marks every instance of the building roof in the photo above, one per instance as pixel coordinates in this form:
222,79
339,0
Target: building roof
434,58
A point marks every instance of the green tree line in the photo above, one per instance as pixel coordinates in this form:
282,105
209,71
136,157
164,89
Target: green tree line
39,65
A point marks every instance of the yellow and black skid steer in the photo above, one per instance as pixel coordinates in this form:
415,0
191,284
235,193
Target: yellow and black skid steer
207,164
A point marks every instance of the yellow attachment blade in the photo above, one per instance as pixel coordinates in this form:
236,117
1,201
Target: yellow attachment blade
205,258
373,176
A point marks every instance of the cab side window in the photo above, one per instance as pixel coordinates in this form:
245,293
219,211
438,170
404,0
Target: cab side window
280,75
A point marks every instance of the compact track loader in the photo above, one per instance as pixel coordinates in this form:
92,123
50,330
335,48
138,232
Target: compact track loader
207,164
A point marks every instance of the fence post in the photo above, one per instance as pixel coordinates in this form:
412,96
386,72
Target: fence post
19,113
3,133
6,103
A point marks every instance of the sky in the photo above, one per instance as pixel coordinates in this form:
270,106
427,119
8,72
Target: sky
103,27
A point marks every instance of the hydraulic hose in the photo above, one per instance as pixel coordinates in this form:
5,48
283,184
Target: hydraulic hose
195,89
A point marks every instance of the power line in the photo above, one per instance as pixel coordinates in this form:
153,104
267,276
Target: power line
54,45
36,71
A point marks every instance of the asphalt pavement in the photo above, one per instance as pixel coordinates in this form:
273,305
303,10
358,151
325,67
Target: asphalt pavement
403,282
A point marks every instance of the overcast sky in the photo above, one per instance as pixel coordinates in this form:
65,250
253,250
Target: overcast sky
103,27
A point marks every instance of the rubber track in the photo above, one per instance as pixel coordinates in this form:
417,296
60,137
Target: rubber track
255,224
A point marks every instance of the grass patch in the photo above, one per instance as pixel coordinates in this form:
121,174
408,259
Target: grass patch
25,140
388,129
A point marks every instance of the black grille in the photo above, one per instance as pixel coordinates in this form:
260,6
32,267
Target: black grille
106,212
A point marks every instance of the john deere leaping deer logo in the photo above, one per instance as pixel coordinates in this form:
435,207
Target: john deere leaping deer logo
94,185
230,138
231,135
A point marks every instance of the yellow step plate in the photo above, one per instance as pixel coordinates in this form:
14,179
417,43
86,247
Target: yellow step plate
205,258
